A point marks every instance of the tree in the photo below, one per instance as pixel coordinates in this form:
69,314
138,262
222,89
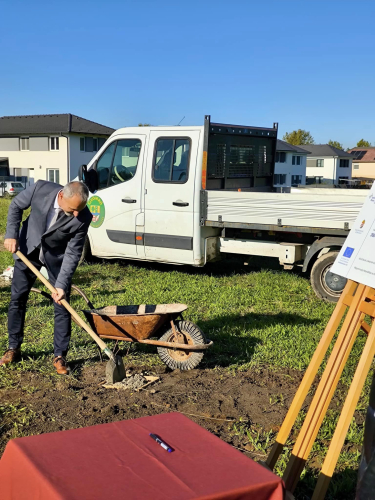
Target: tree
144,124
336,144
363,144
298,137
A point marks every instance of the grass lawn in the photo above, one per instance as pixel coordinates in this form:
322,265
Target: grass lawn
258,318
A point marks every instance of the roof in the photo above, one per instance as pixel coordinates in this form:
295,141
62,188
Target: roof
363,154
285,146
325,150
50,124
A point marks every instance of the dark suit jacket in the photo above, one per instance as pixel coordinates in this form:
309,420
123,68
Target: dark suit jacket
62,244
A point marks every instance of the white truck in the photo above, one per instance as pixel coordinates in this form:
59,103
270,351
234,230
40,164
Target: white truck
189,195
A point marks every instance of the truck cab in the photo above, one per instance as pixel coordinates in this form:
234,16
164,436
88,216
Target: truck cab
147,195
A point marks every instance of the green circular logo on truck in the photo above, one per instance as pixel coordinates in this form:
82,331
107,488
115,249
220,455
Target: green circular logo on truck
97,208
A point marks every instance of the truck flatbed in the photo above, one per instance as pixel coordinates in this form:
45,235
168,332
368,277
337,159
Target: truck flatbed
311,211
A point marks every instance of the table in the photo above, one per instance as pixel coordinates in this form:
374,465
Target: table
120,461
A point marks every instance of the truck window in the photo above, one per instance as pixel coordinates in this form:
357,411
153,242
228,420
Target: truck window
171,161
103,167
118,163
125,161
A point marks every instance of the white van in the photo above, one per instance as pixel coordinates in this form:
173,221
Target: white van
187,195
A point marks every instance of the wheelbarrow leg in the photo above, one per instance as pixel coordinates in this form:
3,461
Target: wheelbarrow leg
178,335
100,353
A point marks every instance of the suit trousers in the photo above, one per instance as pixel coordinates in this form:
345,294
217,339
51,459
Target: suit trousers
23,280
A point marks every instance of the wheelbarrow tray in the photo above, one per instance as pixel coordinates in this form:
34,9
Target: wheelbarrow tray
131,323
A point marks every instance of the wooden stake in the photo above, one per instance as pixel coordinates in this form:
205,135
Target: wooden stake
346,416
325,390
312,369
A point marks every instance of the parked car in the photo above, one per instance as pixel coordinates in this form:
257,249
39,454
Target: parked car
10,188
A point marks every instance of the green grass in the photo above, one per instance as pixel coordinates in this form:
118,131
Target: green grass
256,317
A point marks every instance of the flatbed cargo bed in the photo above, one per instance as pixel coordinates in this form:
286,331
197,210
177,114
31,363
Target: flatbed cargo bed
311,210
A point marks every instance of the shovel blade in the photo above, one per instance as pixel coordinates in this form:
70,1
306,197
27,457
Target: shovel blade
115,372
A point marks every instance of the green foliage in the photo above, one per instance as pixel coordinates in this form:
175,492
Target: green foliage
144,124
6,258
298,137
4,205
336,144
363,144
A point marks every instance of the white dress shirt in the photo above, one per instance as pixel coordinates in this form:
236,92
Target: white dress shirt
53,212
52,216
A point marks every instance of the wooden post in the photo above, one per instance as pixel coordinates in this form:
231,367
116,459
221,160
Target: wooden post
312,369
346,416
325,390
356,301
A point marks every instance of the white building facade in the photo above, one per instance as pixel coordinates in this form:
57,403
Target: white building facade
290,166
327,165
48,147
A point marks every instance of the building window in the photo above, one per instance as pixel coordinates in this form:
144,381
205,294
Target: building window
91,144
344,164
296,160
296,180
171,160
314,180
53,175
320,163
24,144
280,157
356,167
279,179
54,143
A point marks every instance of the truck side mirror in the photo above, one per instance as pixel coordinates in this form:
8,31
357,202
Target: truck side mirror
88,177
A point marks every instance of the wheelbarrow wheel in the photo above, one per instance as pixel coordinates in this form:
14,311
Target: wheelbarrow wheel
187,333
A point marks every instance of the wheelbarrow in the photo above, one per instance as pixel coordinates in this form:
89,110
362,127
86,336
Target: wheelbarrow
181,343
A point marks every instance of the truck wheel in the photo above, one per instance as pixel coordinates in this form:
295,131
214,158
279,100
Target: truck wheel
175,358
326,285
86,252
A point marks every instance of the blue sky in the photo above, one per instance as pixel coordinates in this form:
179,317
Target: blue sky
305,64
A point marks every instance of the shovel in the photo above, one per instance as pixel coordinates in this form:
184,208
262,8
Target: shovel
115,370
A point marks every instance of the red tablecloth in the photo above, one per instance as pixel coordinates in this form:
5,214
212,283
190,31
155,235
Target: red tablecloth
120,461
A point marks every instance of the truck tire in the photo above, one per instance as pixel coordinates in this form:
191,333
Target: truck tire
178,359
86,252
326,285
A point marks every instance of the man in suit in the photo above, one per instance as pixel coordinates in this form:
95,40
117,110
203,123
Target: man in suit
53,235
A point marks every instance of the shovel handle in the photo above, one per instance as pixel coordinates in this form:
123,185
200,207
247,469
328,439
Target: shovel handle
67,306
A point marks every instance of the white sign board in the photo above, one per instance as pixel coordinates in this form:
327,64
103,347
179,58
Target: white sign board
356,260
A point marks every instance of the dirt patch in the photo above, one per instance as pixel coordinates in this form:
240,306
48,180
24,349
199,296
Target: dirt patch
215,399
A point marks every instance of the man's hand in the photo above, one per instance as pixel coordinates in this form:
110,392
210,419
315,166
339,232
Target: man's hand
11,245
58,296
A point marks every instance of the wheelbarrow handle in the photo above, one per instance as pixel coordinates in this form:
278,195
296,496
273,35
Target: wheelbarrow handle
84,296
67,306
74,287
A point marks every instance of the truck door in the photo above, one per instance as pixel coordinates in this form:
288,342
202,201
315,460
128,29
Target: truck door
117,203
169,196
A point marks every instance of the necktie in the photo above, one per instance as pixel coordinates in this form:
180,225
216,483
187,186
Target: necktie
55,218
58,214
